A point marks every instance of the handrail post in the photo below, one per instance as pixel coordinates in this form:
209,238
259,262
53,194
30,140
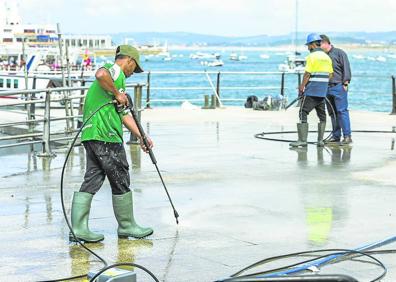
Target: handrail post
148,106
67,112
33,97
282,90
298,87
81,105
393,95
137,105
46,127
69,84
218,90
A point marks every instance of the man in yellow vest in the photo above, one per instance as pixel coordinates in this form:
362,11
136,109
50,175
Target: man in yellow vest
313,90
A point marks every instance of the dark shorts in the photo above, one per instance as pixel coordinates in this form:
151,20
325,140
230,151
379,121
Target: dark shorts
105,159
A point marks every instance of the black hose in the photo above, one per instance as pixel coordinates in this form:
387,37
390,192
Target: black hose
236,276
262,134
332,109
124,264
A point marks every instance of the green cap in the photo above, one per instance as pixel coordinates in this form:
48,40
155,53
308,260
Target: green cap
132,52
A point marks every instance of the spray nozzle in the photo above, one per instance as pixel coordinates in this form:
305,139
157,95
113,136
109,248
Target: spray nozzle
120,108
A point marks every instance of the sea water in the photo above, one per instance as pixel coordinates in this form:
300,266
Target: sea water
370,88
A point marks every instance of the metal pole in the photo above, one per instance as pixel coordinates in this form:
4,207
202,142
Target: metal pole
63,75
46,127
69,83
32,97
298,87
25,74
137,104
393,95
282,90
31,109
61,54
24,65
218,89
148,91
81,104
296,31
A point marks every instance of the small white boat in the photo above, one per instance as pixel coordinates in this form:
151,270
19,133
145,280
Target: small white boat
293,64
264,56
381,59
204,56
216,63
358,57
234,57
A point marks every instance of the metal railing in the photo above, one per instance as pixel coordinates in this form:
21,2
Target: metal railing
216,87
37,126
40,130
226,89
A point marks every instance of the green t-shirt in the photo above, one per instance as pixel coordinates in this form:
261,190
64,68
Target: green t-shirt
105,125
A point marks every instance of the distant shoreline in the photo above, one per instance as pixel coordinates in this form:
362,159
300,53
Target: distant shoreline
382,48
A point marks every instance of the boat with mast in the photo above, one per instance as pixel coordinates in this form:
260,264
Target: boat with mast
294,62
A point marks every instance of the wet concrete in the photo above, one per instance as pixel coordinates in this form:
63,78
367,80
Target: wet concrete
240,200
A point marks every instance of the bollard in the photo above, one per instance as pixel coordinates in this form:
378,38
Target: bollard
136,157
46,128
206,102
137,104
213,102
393,96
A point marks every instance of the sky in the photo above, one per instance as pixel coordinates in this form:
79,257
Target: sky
217,17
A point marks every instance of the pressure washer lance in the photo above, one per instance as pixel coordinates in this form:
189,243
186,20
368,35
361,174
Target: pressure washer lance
150,151
292,102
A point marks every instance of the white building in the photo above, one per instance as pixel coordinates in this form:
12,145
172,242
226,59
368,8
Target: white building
13,32
88,41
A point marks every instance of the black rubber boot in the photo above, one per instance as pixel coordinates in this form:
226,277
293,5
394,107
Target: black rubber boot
302,131
321,131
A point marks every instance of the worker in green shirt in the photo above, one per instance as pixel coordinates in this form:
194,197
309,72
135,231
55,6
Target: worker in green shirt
102,137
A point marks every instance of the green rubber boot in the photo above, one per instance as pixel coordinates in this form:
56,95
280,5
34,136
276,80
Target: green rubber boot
123,210
302,131
321,131
81,207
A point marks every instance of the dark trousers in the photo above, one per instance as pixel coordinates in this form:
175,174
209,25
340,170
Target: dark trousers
105,159
338,99
312,102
